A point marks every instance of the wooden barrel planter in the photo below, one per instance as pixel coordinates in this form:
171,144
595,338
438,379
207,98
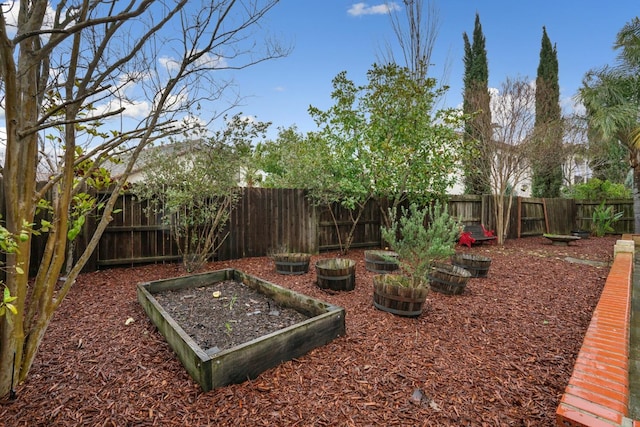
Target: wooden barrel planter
448,279
398,299
337,274
477,265
380,261
291,263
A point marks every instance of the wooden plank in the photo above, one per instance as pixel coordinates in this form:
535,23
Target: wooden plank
143,260
519,217
129,228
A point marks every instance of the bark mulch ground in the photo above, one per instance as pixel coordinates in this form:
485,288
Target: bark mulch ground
500,354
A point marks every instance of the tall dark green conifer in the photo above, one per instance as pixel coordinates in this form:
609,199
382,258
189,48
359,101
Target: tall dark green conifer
476,103
547,158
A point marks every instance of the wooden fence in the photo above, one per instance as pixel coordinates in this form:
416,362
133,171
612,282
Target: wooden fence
266,220
263,220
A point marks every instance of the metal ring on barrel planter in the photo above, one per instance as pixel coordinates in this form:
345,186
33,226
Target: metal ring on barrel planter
381,261
448,279
291,263
337,274
393,294
477,265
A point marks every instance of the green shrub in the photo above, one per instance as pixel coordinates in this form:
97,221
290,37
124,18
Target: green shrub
596,189
603,220
419,246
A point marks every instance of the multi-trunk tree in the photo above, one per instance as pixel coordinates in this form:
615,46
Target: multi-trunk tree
67,68
192,184
508,153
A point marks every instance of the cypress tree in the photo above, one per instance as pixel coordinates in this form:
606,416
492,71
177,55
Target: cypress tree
547,157
476,104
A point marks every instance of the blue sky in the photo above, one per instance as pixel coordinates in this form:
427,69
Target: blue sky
328,39
337,35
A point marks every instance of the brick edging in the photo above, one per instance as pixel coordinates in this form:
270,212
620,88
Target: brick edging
598,390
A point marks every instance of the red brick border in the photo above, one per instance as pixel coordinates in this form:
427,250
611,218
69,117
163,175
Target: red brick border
598,390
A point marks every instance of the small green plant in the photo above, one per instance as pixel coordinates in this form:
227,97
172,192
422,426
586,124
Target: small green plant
233,301
228,327
419,246
603,219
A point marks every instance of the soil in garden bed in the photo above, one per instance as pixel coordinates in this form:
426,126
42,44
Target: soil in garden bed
226,314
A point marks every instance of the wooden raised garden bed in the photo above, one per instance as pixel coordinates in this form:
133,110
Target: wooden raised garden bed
212,367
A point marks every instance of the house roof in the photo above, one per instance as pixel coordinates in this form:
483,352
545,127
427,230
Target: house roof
175,149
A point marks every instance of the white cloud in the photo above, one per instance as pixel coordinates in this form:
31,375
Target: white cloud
211,61
136,110
175,100
10,11
205,61
248,119
169,63
572,105
127,86
359,9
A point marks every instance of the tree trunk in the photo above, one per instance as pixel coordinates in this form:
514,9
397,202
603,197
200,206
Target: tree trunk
19,178
498,203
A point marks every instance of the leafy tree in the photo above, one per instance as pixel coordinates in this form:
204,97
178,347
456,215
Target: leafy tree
8,245
611,96
476,104
399,150
324,167
608,160
547,161
57,63
335,176
589,156
193,186
380,140
281,160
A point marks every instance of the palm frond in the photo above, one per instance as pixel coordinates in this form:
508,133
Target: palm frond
635,137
